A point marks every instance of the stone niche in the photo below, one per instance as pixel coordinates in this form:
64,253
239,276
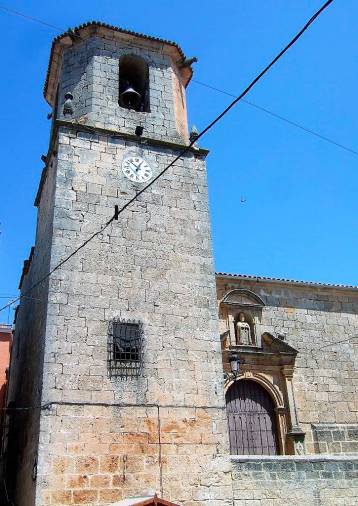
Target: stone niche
243,304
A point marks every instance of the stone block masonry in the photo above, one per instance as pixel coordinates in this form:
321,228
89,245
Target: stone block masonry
90,73
101,438
101,454
153,265
308,480
26,366
336,438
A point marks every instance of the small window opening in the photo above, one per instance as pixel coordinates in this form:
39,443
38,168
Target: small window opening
134,83
124,348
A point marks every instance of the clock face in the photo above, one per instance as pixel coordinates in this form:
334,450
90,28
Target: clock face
136,169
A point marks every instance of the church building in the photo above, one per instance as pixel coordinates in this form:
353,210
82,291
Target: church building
138,376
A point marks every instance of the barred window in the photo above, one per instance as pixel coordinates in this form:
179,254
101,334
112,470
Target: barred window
124,348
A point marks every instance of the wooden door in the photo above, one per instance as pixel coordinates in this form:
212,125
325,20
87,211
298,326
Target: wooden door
251,419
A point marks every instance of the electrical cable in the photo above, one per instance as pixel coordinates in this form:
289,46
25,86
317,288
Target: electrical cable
49,404
280,117
252,104
30,18
337,342
12,296
183,152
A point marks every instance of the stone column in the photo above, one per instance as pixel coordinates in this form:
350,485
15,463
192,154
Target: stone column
281,419
295,433
232,329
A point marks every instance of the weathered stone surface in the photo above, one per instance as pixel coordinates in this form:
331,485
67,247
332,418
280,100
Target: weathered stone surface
90,73
277,481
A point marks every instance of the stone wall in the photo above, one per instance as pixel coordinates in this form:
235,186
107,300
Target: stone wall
27,354
102,438
312,319
335,438
278,481
101,454
153,265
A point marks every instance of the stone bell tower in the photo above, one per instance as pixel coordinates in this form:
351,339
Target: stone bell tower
119,348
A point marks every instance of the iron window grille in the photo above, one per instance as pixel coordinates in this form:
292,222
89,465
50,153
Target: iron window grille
125,348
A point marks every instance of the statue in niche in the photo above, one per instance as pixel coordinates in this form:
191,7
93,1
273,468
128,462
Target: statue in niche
243,331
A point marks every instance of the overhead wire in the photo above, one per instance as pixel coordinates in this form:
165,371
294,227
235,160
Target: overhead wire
49,404
280,117
337,342
240,97
30,18
214,88
182,153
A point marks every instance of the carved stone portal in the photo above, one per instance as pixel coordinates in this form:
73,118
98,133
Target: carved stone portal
271,365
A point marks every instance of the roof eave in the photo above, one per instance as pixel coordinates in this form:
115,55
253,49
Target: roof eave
87,30
278,281
5,328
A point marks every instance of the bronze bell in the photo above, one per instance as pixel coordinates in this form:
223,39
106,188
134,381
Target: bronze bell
130,98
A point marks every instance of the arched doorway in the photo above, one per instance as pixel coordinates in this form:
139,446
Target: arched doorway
251,419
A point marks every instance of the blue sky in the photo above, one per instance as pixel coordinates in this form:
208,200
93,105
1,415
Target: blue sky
299,215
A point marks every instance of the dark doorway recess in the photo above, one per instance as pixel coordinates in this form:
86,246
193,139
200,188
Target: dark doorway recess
251,419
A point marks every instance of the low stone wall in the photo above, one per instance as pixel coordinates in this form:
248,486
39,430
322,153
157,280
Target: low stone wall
309,480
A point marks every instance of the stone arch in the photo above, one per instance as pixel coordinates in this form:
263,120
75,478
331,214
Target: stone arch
133,73
274,392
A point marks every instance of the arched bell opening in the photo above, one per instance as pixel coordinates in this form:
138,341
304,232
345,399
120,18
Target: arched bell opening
252,420
134,83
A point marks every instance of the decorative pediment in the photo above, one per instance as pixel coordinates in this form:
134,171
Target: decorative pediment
242,298
273,344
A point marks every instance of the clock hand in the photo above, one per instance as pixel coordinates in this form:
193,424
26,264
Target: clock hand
135,167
